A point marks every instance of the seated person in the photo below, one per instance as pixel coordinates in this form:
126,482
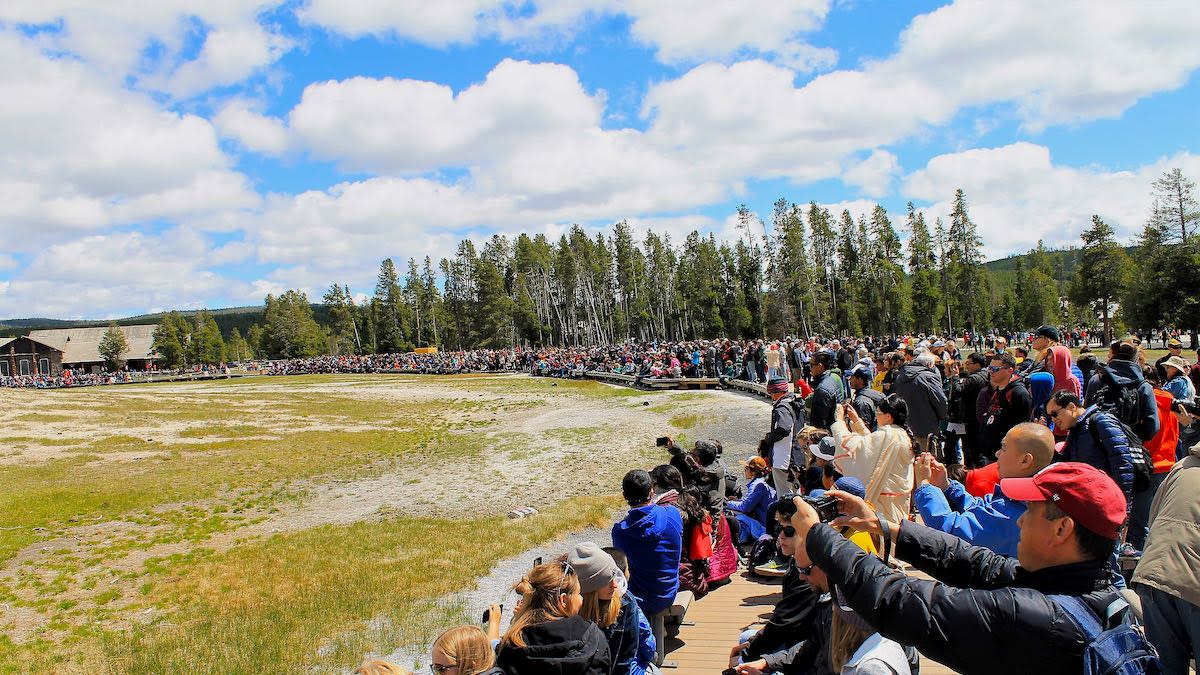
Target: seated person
378,667
547,634
989,521
608,604
751,511
466,648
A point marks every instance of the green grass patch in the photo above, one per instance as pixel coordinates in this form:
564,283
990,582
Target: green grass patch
271,606
11,440
225,431
685,420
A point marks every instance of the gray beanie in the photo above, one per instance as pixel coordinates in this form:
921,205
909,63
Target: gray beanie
593,567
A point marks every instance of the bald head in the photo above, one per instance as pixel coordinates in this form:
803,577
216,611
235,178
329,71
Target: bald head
1032,449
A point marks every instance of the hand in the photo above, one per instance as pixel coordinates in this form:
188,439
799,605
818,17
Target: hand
753,668
804,519
938,476
839,413
922,468
856,513
493,627
735,654
853,413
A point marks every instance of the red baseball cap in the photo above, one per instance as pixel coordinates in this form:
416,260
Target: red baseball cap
1081,491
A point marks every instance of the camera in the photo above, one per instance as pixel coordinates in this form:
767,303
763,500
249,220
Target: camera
487,614
826,506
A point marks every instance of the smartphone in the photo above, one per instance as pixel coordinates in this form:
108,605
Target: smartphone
487,614
662,441
537,561
729,671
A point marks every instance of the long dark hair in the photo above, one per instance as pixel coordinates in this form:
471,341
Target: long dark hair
667,477
895,406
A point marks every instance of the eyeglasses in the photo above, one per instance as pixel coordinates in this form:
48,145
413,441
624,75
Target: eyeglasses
788,531
440,669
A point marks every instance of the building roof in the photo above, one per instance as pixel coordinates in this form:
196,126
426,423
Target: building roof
4,342
82,345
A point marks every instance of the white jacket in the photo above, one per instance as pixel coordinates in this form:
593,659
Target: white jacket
882,460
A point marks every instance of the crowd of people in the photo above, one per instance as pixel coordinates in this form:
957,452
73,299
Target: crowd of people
76,378
1053,505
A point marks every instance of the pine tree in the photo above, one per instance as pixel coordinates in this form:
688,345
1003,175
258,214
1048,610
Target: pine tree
886,277
1102,273
392,329
237,348
205,345
343,331
1176,199
169,343
824,250
967,276
848,288
113,347
290,330
922,265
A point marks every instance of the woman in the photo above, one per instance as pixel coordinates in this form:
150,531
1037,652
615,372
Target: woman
547,634
697,527
615,611
1057,362
882,459
751,511
378,667
464,650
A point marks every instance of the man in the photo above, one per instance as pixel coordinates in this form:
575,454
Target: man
1094,437
845,354
1120,388
1008,405
794,615
827,390
1174,348
975,381
864,397
989,521
983,612
787,417
1167,578
651,537
1177,382
920,385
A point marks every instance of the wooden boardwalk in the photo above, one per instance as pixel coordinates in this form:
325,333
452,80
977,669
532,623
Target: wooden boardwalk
702,647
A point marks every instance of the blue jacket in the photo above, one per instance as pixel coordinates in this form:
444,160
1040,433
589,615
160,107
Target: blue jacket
652,539
759,497
1110,455
989,521
630,639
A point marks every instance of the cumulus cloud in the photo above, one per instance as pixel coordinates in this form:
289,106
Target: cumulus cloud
254,131
146,41
1017,195
874,174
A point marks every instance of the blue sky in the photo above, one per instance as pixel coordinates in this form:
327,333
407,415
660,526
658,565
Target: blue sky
175,155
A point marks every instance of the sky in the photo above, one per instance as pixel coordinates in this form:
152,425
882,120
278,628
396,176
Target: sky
203,153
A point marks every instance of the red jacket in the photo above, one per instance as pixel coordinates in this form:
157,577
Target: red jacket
1162,446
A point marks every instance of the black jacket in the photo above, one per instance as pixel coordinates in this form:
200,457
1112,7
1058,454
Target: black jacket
971,386
983,614
825,397
809,656
865,400
571,646
792,619
921,389
1007,408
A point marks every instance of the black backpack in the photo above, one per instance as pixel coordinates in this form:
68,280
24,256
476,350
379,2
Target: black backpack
1123,400
1143,463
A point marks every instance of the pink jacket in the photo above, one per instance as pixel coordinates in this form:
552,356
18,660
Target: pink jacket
1058,362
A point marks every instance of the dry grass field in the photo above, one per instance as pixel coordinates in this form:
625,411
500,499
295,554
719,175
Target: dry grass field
293,524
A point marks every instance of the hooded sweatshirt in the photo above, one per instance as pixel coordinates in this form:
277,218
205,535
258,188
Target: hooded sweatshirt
1059,365
1128,373
652,539
571,646
921,389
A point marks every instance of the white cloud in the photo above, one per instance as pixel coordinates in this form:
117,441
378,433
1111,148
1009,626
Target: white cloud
146,41
1017,195
253,130
679,30
874,174
81,155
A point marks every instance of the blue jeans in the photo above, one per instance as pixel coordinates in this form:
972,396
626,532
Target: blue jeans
1172,626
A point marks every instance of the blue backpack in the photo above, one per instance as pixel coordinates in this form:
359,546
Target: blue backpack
1118,647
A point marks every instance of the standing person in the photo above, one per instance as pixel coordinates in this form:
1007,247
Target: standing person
920,385
1177,382
1087,367
1120,388
1009,403
651,537
1057,362
882,460
614,610
1167,578
774,362
547,634
975,381
955,427
1174,348
984,613
1095,437
1162,450
864,398
827,391
787,418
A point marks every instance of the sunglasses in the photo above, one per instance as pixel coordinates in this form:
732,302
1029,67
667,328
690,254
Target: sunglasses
788,531
996,369
568,571
1054,415
806,570
440,669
